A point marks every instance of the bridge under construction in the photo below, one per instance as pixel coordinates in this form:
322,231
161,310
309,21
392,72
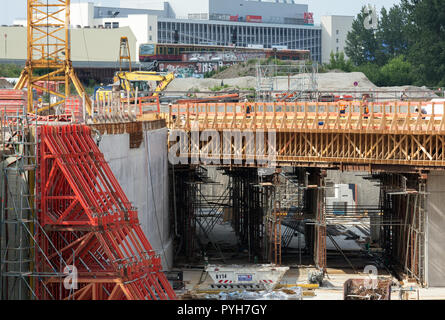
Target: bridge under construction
112,194
397,145
297,143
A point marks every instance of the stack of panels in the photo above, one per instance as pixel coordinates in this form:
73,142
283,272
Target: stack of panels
13,101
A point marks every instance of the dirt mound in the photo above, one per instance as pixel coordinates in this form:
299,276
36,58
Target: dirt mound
207,85
244,69
344,81
332,82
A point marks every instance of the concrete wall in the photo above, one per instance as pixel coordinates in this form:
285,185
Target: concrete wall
143,27
14,47
368,191
342,193
435,226
143,175
89,45
333,35
81,14
271,11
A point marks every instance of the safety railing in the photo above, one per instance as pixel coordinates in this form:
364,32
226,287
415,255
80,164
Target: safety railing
107,108
354,116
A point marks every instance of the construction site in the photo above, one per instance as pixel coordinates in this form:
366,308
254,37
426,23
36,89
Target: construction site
282,183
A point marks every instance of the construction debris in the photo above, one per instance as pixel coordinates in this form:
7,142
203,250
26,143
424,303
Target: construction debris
293,293
358,289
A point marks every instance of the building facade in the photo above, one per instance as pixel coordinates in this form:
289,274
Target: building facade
242,34
268,11
280,24
333,35
242,23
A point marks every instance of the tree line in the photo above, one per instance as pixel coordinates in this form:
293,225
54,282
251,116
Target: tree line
406,48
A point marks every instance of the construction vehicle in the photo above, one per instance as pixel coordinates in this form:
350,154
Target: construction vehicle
139,80
131,82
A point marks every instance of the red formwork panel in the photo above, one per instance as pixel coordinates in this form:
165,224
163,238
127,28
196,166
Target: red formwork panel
13,101
87,221
74,107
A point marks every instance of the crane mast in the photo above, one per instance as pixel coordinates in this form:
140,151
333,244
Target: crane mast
124,54
49,54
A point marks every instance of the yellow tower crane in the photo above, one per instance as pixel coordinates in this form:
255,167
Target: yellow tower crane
48,52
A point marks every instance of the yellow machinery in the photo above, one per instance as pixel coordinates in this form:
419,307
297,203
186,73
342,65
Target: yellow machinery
130,81
48,50
124,53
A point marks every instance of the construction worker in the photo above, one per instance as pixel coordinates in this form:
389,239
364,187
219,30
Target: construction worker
170,108
365,106
40,103
422,111
247,106
404,96
342,106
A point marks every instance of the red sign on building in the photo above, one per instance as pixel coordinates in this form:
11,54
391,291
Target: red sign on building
254,18
234,18
308,18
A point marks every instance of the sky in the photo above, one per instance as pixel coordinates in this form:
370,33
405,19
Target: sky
14,9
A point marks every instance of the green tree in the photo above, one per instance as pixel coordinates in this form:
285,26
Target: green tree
391,34
397,72
426,29
372,72
338,61
361,43
10,70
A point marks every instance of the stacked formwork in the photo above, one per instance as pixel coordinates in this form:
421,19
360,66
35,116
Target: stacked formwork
320,225
402,224
87,221
247,203
182,205
12,101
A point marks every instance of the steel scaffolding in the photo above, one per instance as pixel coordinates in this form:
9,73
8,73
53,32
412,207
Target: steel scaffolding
19,225
299,78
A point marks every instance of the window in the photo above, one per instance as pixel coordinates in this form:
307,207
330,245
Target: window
146,49
115,25
337,49
337,40
150,28
151,38
108,25
338,31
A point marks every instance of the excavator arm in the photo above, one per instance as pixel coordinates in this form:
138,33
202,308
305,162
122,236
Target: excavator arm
126,78
164,83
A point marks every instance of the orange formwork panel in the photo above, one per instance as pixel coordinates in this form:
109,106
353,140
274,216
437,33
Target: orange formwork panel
88,222
12,101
